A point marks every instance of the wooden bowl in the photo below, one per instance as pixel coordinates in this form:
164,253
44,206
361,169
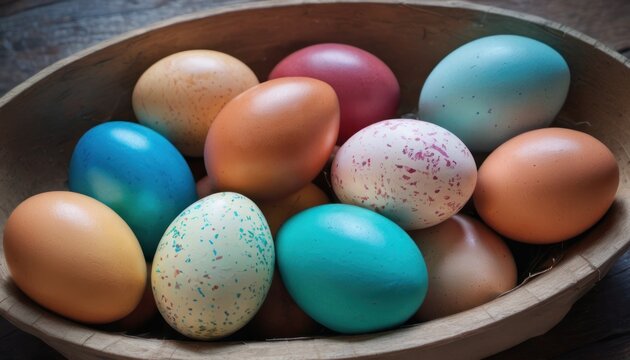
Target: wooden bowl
41,120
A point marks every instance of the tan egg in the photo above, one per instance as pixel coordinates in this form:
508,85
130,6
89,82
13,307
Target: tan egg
468,265
546,185
274,138
75,256
278,211
180,95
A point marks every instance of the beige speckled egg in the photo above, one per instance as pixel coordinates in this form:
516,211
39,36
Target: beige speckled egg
213,267
180,95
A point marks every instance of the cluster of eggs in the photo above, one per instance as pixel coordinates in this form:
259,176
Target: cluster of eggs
257,242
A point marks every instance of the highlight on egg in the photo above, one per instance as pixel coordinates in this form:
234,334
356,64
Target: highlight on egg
180,95
413,172
213,267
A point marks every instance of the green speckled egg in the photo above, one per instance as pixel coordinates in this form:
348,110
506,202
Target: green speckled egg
213,266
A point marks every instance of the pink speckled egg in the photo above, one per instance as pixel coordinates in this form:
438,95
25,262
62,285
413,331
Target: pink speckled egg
413,172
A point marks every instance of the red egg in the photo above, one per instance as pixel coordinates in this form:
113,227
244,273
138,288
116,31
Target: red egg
366,87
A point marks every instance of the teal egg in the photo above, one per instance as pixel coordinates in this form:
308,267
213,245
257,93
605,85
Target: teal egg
351,269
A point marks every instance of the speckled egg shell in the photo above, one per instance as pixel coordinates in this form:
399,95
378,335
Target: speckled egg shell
413,172
180,95
494,88
213,266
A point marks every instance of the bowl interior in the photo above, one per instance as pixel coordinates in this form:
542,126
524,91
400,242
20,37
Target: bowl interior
41,120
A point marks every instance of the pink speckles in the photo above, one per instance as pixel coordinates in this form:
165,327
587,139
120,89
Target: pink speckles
406,177
410,170
177,272
418,156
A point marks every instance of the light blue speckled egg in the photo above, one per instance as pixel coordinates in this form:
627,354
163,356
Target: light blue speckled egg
494,88
213,267
351,269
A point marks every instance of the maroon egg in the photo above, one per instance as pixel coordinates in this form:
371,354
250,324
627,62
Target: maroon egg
366,87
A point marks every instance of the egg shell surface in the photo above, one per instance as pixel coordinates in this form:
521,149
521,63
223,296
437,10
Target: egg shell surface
367,88
136,172
74,256
468,265
180,95
546,185
413,172
273,139
494,88
351,269
278,211
213,266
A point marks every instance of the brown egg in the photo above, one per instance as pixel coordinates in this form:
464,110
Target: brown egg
278,211
546,185
279,316
468,265
180,95
204,187
75,256
274,138
144,312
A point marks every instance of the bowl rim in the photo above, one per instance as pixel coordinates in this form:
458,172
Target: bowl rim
586,267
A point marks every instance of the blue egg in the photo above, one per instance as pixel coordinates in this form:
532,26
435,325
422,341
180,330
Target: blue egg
494,88
136,172
351,269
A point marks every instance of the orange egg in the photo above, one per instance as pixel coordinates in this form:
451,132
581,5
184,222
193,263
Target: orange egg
180,95
468,265
546,185
273,139
278,211
75,256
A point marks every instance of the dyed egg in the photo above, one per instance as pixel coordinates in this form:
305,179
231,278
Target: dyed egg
280,316
546,185
213,266
413,172
468,266
273,139
74,256
494,88
367,88
278,211
180,95
136,172
351,269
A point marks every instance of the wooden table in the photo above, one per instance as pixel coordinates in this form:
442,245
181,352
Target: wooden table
35,33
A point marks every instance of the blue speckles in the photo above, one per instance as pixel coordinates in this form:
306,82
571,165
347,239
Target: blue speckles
201,292
177,247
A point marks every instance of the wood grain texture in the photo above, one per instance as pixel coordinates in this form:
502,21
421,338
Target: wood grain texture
596,324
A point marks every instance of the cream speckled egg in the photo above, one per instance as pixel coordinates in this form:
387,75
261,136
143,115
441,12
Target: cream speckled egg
213,266
180,95
413,172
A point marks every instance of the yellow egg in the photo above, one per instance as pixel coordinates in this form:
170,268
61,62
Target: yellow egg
75,256
180,95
